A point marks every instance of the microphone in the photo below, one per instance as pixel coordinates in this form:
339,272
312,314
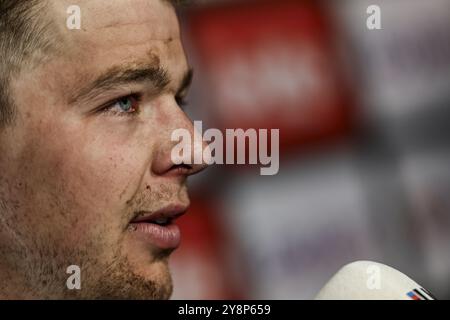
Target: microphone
367,280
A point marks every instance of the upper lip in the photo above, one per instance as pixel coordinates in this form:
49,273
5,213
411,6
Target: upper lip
170,212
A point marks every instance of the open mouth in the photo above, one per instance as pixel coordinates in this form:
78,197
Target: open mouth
159,227
162,222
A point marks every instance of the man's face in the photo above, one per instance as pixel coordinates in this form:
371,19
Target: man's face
90,155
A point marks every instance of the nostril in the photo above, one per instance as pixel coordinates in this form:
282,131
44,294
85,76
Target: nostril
182,168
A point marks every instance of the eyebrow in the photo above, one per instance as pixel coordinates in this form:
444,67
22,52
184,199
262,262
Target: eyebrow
123,75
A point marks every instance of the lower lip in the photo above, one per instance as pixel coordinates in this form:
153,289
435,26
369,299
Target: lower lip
164,237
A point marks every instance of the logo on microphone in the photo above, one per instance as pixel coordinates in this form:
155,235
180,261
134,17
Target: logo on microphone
420,294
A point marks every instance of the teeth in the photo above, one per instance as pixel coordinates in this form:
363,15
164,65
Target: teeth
162,221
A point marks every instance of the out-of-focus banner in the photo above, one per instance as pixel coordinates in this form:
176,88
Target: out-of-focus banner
271,64
364,133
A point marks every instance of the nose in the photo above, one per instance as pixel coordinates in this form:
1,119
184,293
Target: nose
191,144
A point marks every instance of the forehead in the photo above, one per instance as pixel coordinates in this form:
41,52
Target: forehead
99,14
118,32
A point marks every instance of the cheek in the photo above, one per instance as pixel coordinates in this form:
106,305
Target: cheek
102,175
86,178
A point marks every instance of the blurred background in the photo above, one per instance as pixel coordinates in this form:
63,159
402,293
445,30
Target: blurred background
364,119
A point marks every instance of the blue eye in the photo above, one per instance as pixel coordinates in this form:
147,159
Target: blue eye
124,106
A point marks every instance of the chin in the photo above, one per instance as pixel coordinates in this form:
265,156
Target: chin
134,273
150,275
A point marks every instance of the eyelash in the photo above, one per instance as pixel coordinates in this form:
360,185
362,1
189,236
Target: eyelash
181,101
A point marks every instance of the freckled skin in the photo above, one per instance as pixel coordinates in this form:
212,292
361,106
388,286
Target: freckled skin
71,180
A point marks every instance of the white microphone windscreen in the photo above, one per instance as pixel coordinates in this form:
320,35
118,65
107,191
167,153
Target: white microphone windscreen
367,280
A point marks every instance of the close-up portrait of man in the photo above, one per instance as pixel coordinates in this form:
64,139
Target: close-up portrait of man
307,159
86,177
